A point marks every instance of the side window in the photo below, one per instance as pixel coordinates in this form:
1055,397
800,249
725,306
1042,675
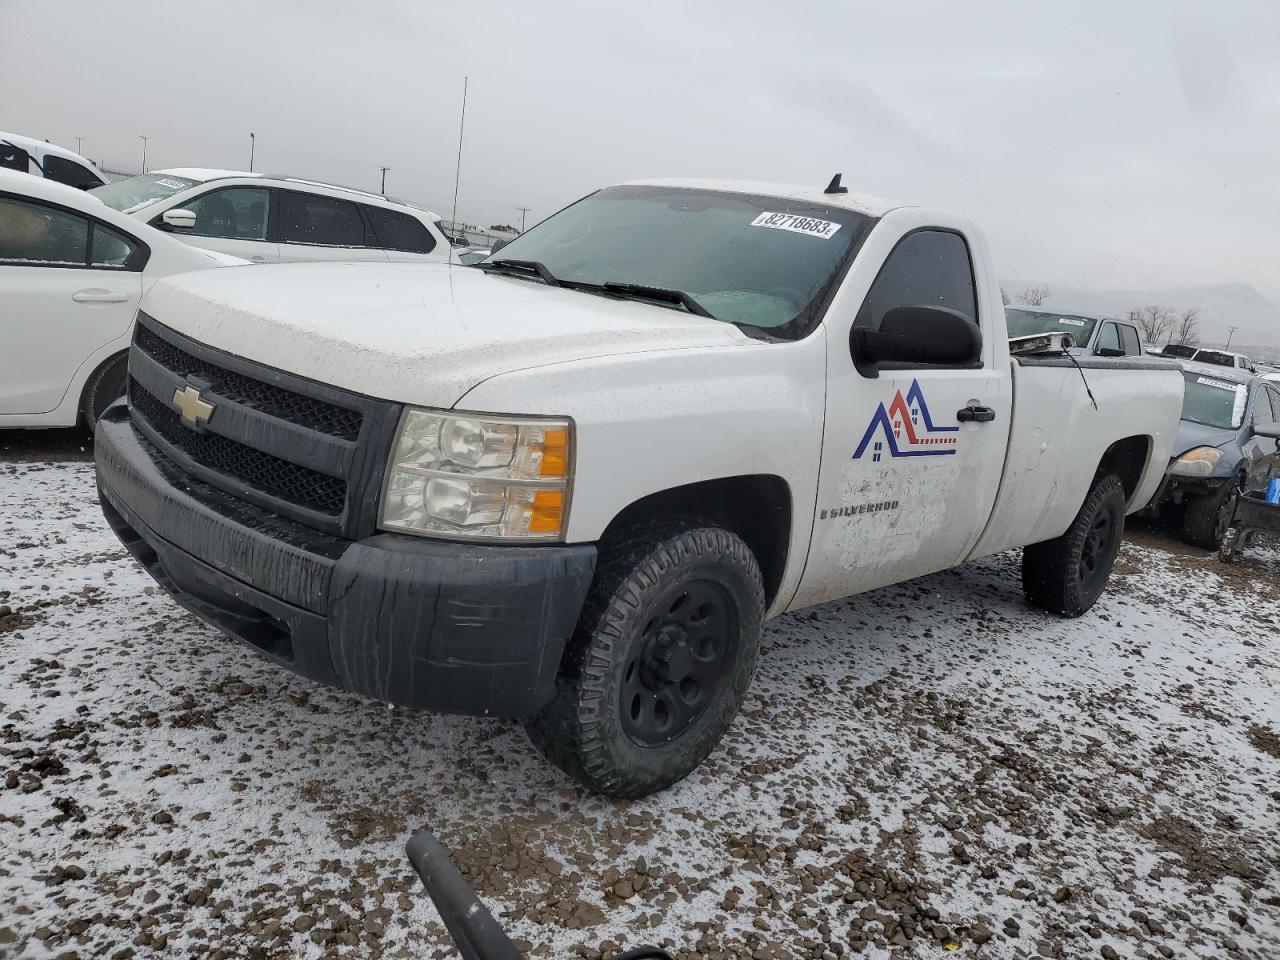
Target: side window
14,158
32,234
1129,336
232,213
70,173
399,231
1108,342
111,250
323,221
926,268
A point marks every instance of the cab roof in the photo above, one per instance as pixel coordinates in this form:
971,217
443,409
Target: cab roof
1234,374
1068,312
863,203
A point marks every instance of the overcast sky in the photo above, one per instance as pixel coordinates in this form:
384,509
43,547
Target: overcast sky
1108,144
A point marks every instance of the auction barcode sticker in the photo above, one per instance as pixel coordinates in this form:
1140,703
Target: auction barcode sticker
824,229
1071,321
1220,384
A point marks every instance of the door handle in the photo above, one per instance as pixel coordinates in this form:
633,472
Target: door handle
976,414
99,296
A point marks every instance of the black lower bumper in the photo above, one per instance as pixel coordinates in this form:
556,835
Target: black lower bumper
448,627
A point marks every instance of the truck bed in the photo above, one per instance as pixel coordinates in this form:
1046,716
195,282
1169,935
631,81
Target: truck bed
1057,439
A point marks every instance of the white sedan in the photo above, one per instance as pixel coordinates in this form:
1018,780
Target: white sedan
72,271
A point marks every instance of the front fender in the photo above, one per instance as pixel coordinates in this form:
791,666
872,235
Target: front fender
645,423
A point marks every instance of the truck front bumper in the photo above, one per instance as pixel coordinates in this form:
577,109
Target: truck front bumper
442,626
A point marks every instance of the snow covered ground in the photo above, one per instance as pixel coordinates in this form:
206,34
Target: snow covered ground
927,768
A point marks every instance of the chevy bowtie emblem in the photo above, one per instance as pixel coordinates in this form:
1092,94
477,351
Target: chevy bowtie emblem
194,410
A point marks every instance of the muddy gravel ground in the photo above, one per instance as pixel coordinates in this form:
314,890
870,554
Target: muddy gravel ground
926,770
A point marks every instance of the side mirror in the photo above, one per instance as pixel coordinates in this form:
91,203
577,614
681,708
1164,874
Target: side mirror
179,219
917,335
1267,428
498,245
1108,352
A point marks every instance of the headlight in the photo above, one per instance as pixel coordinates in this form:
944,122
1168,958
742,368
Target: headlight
1196,463
468,475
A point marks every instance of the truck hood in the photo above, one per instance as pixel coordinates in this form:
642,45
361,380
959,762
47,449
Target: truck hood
413,333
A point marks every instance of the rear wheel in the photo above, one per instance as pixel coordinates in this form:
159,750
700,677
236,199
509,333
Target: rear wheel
105,386
1066,575
1207,517
659,664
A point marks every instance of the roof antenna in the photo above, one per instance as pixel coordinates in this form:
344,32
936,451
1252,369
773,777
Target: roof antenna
834,185
457,176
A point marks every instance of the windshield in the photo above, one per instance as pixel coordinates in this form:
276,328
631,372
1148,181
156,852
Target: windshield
1028,323
1213,402
136,192
752,260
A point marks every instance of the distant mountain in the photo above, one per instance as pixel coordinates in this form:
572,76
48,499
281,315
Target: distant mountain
1239,305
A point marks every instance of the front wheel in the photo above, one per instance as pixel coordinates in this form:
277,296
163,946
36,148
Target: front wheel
1208,516
1066,575
659,664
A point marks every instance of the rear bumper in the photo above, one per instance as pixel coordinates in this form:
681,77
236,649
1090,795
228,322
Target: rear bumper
448,627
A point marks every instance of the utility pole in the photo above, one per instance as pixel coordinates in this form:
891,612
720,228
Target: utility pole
1231,332
383,191
144,151
79,140
252,144
523,211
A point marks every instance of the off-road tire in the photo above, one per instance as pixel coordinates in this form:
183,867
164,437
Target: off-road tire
104,387
583,730
1207,517
1054,573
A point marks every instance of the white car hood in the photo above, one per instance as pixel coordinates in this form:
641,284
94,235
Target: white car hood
413,333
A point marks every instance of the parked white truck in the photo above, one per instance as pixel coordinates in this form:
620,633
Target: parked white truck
569,484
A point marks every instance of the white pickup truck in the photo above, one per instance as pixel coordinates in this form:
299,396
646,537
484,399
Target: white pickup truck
569,484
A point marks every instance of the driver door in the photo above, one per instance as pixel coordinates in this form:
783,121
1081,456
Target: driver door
234,220
907,481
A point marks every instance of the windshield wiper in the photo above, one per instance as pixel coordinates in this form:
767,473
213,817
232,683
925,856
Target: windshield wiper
678,297
638,290
524,266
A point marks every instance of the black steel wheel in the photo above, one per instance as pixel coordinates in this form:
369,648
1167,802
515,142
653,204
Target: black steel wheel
681,655
1095,554
659,664
1067,574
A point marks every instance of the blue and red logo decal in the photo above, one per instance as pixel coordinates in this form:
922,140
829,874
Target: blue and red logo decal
905,429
